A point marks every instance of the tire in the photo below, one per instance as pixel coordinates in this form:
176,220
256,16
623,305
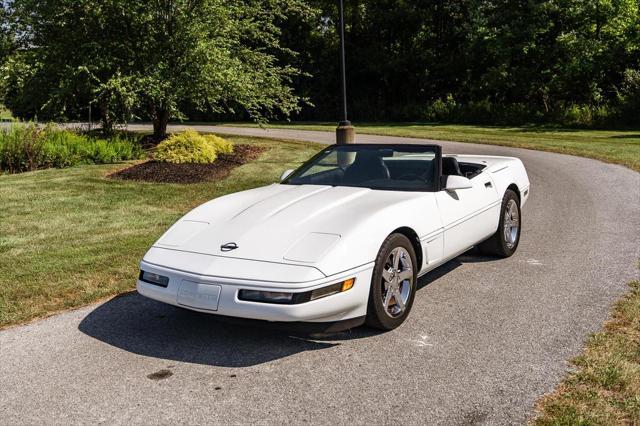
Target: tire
386,310
506,239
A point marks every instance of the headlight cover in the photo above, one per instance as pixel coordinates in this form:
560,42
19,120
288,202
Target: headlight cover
155,279
282,298
266,296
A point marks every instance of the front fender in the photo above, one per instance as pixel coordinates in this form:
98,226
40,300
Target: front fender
360,244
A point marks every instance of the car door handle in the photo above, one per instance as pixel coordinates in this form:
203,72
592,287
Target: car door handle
488,185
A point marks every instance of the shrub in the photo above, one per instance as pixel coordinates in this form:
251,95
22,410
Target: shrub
222,146
18,145
441,110
192,147
577,115
5,114
185,147
122,147
26,147
486,112
629,98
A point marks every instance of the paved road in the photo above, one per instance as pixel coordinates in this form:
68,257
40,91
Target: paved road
485,338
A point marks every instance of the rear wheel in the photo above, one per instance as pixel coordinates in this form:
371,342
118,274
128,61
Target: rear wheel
393,284
505,241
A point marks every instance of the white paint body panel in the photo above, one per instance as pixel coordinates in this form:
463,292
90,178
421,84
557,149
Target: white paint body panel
300,237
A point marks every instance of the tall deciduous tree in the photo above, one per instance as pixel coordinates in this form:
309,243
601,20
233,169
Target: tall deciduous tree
540,57
149,56
6,36
6,41
490,61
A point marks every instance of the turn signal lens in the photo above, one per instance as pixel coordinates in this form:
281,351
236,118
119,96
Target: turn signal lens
332,289
346,285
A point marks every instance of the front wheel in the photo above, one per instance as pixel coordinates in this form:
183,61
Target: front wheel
505,241
393,285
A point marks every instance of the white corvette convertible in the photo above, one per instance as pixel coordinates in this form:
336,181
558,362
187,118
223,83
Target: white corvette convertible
341,240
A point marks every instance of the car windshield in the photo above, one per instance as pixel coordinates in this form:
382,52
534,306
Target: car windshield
386,167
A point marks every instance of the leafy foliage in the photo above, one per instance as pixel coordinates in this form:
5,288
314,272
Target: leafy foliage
192,147
26,147
482,61
5,114
572,62
222,146
6,45
146,58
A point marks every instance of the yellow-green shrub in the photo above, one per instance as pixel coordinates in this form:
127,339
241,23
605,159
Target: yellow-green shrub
222,146
192,147
186,147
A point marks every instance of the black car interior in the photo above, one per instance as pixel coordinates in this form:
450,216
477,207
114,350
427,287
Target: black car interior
368,165
379,168
452,167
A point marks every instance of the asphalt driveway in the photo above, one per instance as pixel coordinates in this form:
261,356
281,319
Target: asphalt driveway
486,338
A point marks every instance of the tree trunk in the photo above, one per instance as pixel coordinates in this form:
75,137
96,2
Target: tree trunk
105,117
160,121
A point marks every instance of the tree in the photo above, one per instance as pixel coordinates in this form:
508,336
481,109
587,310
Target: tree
6,37
148,57
6,41
491,61
217,55
532,59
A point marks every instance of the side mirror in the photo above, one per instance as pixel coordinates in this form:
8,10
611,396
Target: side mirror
285,174
457,182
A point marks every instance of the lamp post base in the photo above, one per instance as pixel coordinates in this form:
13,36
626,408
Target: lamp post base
345,133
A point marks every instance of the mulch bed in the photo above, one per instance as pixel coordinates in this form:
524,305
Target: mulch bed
155,171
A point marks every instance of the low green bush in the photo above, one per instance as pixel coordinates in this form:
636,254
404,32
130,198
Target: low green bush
222,146
27,147
5,114
192,147
449,110
185,147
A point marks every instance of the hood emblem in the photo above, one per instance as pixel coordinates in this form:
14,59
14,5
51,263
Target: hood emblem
228,247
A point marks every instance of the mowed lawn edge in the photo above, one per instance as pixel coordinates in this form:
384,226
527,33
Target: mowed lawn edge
611,146
604,388
71,237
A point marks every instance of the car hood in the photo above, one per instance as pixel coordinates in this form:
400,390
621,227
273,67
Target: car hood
319,226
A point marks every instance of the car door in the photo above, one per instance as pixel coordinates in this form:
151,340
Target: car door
468,215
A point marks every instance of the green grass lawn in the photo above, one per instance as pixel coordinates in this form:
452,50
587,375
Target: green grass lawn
612,146
69,237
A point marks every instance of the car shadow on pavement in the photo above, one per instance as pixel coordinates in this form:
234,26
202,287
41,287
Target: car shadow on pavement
439,272
471,256
146,327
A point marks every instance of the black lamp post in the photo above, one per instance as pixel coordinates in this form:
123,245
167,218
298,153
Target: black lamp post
345,133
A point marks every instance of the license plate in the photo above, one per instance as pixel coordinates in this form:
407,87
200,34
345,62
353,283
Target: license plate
199,296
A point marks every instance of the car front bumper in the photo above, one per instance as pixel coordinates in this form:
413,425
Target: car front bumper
219,296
